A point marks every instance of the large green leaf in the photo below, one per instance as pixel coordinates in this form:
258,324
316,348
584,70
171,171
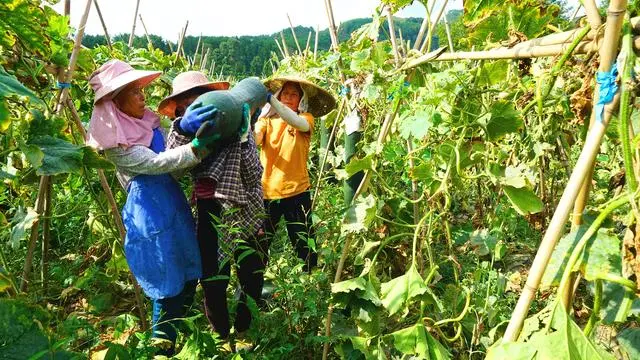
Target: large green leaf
399,291
360,215
600,257
493,72
20,335
415,340
483,242
359,287
416,122
10,86
92,159
504,119
618,303
523,200
629,340
59,156
563,341
24,20
356,165
23,221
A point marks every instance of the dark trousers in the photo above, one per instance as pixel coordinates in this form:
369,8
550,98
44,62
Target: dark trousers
297,214
166,312
215,275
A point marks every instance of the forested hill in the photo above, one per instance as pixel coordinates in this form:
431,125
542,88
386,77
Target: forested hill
249,55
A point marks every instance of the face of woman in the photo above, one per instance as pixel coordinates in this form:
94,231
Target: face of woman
290,96
131,101
183,102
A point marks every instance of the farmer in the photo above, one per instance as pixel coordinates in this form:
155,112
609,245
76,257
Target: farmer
284,134
160,245
228,196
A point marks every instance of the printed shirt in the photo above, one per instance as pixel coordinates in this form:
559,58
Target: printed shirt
284,155
235,171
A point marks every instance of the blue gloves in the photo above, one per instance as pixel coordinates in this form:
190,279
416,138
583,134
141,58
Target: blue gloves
195,116
157,141
269,95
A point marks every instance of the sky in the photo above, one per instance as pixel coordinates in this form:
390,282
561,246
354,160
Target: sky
228,17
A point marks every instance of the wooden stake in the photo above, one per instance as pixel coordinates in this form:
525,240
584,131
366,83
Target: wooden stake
332,25
64,93
203,63
146,33
67,7
104,26
133,27
295,38
28,262
284,45
315,45
195,55
170,46
449,38
426,45
46,234
593,15
306,48
280,48
392,37
423,29
578,177
181,41
213,69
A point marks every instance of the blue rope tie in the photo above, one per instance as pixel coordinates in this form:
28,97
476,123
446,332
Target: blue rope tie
344,90
607,88
63,85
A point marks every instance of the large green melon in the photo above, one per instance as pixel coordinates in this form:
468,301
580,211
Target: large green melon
229,104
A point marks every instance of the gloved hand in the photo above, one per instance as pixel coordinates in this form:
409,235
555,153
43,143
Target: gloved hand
269,95
195,116
157,141
206,135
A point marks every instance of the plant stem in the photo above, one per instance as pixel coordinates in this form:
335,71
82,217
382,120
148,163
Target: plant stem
625,104
595,312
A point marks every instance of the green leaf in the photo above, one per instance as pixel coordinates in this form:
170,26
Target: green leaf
417,122
59,156
504,119
360,60
5,282
512,351
21,336
356,165
525,201
5,120
412,341
629,340
493,72
33,154
401,290
360,215
483,242
93,160
10,86
23,223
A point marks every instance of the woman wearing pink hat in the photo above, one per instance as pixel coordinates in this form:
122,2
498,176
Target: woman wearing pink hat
160,246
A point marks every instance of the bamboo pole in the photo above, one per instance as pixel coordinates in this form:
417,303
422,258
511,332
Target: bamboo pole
213,69
423,29
170,47
46,235
306,48
104,26
332,24
315,45
64,93
31,247
284,45
280,48
593,15
583,167
116,216
295,38
133,27
181,39
448,31
67,7
426,44
203,62
392,37
146,33
198,50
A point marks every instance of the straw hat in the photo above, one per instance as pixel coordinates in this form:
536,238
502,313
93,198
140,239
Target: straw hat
115,75
184,82
320,101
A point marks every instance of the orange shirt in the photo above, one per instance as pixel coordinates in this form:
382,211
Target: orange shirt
284,156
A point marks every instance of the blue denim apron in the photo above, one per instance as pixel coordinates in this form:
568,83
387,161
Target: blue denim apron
161,245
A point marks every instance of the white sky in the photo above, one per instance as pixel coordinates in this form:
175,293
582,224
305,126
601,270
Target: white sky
228,17
225,17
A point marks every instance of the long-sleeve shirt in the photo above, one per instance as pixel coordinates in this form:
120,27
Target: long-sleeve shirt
236,172
139,160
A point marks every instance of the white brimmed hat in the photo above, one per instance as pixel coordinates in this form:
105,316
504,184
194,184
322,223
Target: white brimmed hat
115,75
184,82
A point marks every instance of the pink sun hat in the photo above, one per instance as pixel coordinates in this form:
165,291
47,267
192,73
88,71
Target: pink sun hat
184,82
115,74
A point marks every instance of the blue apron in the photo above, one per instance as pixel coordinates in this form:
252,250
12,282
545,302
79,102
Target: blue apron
161,246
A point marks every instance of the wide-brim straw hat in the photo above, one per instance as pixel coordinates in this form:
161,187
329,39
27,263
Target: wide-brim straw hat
184,82
114,75
320,100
